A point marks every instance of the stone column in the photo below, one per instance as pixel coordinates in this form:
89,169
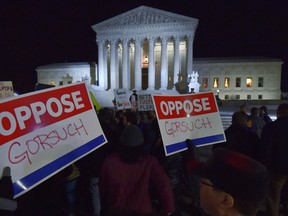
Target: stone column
151,64
105,69
189,54
164,64
176,60
137,60
113,68
125,64
117,65
101,78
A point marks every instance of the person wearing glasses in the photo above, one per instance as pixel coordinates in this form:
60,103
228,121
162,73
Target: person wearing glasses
231,184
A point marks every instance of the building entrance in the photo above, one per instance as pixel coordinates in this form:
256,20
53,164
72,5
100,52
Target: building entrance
144,78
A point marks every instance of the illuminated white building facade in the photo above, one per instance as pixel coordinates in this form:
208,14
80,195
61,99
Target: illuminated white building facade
145,49
58,74
151,50
240,78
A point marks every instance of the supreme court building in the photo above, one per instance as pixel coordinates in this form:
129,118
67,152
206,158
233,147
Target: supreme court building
151,50
145,49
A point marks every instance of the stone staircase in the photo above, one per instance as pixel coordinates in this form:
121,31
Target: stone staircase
226,121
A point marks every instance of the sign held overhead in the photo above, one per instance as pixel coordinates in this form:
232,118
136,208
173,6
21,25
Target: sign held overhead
190,116
45,131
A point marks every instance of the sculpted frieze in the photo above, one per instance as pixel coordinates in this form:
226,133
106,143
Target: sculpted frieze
143,17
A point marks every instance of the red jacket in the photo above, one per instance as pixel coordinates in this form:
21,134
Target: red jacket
127,186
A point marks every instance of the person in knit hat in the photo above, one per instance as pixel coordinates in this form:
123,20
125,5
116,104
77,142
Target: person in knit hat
127,176
231,184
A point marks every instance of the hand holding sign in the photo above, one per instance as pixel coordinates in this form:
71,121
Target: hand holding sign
43,132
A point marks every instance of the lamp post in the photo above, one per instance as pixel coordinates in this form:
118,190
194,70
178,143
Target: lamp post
219,102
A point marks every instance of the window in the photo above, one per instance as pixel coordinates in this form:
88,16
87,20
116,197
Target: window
226,97
227,82
216,83
260,82
205,83
237,97
238,82
249,82
260,97
248,97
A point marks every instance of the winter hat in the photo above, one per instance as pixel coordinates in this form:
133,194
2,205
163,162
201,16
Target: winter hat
131,136
236,174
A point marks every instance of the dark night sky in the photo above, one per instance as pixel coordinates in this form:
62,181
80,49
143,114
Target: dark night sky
39,32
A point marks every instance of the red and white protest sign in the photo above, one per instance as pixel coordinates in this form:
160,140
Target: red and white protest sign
190,116
43,132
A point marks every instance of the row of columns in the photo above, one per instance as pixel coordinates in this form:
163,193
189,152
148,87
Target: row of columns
114,62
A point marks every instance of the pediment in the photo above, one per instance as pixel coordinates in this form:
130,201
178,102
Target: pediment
143,16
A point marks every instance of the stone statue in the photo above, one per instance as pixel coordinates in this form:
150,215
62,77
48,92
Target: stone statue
67,79
86,79
194,84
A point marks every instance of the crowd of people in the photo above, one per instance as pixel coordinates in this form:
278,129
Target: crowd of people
130,174
255,135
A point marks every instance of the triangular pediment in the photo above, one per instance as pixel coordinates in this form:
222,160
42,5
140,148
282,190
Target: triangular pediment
142,16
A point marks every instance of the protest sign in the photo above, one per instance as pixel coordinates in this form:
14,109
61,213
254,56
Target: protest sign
145,102
94,101
6,89
45,131
41,86
122,99
190,116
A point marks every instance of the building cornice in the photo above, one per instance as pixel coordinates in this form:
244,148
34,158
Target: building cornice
144,21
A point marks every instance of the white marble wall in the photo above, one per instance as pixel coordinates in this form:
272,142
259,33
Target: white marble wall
54,73
268,69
